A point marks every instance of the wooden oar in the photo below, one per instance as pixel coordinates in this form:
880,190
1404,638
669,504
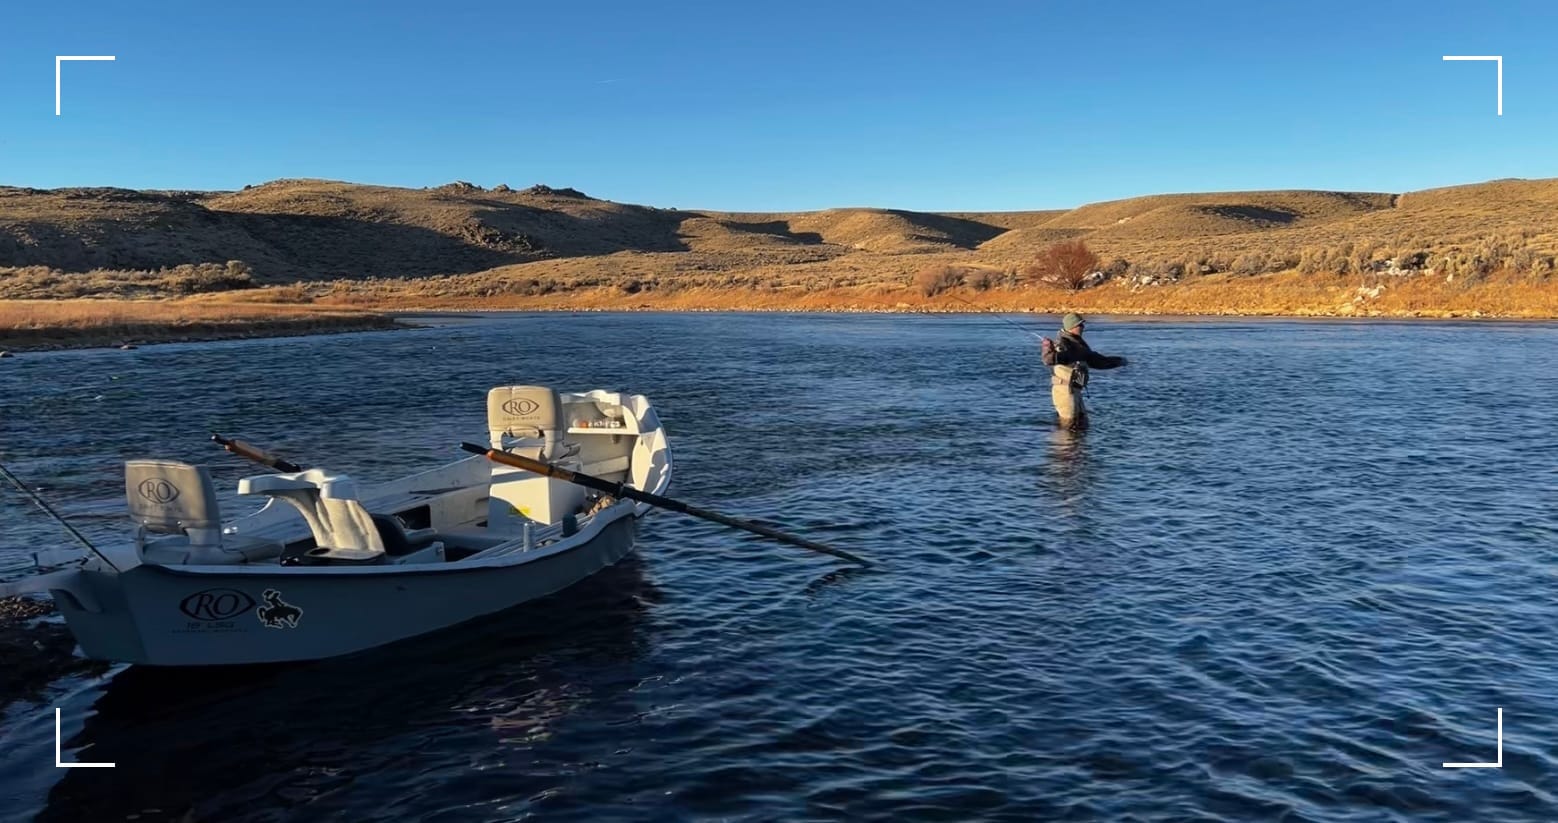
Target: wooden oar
625,491
255,453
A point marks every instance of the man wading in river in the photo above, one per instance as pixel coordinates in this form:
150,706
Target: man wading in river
1070,358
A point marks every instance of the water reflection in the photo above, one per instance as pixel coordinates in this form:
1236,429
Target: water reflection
834,578
250,742
1067,469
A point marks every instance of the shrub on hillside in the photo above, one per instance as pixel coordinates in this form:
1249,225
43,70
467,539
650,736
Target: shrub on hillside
1065,264
1252,262
199,278
1524,259
1363,257
1312,259
981,280
1466,265
934,280
43,282
297,293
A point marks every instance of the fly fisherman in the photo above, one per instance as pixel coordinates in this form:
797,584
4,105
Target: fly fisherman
1071,358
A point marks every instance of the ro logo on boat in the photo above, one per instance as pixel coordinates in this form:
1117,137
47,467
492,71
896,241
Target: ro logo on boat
216,604
158,490
520,406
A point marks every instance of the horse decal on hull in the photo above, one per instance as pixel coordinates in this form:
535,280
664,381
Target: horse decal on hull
278,613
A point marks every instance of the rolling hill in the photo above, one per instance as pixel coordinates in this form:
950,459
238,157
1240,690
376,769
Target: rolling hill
93,241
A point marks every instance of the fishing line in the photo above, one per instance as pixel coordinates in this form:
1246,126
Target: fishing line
49,510
1002,318
1020,327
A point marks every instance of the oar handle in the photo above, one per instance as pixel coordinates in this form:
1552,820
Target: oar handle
623,490
249,451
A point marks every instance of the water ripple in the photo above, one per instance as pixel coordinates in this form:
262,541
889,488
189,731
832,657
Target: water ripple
1293,568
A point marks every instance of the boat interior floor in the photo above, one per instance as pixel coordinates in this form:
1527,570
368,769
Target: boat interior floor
402,545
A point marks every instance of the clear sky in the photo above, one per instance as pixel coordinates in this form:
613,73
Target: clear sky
777,106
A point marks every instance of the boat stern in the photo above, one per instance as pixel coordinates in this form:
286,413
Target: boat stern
98,611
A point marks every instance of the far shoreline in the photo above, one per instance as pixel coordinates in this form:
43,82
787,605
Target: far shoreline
405,320
54,325
60,338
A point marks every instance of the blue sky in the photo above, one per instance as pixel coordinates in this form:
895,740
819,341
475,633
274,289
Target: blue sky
763,106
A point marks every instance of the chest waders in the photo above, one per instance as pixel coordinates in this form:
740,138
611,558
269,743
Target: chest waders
1066,385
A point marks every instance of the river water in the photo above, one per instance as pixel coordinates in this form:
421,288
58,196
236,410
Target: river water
1292,569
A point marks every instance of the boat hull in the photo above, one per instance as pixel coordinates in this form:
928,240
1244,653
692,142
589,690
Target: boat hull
170,616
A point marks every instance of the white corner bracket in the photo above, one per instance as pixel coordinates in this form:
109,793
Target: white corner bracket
1499,764
60,58
1497,58
60,765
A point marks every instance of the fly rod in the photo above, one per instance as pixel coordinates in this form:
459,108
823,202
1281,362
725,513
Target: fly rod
49,510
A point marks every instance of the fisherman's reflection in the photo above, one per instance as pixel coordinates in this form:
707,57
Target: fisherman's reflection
1068,476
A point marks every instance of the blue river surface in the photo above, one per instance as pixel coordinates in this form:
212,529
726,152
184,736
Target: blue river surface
1291,570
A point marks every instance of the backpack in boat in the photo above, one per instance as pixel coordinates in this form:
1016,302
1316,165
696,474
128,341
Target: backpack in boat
1047,351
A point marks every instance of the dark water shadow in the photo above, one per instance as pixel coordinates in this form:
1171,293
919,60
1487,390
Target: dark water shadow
1067,468
835,579
205,743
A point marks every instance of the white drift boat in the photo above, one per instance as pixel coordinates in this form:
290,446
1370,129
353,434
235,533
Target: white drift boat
326,568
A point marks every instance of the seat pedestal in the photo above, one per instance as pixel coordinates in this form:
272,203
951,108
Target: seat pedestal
343,529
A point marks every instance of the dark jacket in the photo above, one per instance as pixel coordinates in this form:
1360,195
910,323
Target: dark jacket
1071,349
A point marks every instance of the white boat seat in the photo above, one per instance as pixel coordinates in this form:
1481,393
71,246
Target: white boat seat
528,420
173,498
343,530
169,497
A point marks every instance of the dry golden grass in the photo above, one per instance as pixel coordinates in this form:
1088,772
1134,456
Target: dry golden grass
1505,295
1259,207
28,324
324,244
1009,220
355,306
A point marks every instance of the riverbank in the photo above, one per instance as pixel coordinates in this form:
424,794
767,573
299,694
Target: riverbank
36,651
34,325
365,306
1288,294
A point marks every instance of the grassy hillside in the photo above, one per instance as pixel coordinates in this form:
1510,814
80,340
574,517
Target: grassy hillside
356,244
1259,209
